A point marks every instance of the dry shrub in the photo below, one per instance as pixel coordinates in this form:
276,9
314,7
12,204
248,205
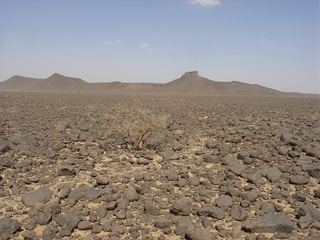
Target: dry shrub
136,123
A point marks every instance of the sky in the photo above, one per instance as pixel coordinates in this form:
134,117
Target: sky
273,43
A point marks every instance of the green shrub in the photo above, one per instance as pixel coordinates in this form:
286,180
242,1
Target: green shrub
136,123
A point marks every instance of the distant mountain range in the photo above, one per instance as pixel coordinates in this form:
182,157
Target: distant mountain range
189,83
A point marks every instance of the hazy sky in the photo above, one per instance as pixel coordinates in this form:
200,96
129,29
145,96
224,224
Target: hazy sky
274,43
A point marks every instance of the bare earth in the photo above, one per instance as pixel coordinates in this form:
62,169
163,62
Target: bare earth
221,163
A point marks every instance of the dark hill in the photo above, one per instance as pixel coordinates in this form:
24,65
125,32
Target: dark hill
19,83
55,83
191,82
188,83
59,83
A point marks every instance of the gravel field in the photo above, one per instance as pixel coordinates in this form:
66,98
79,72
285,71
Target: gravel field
223,168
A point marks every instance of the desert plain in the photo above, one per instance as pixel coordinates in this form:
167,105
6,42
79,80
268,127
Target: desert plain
224,167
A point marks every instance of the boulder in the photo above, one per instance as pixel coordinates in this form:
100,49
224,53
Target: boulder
8,227
42,195
182,206
68,222
274,223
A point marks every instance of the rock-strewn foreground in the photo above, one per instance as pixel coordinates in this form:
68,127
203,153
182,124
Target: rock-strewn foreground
225,168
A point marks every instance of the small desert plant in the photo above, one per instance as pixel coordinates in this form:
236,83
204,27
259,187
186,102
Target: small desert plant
135,123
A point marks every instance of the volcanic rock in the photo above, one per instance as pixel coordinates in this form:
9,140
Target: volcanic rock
84,192
182,206
198,234
68,222
66,170
42,194
269,224
8,227
298,180
131,194
4,146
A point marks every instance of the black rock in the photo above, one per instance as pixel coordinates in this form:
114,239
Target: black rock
66,170
317,193
102,180
182,206
283,150
211,158
236,168
269,224
162,222
298,180
84,225
198,234
68,222
213,212
42,194
308,209
314,171
151,209
238,213
28,234
172,175
224,201
211,143
4,146
43,218
272,174
8,227
84,192
131,194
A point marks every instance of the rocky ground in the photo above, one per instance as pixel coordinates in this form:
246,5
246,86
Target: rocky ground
224,168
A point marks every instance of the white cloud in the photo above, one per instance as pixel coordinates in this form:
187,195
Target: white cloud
205,3
108,43
119,41
144,45
263,40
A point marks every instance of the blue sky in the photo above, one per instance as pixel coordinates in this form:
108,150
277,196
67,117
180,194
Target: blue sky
274,43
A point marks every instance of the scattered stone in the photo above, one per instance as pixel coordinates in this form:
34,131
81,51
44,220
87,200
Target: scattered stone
314,171
198,234
236,168
66,170
28,234
151,209
43,218
238,213
84,225
272,174
68,222
283,150
162,222
131,194
172,175
211,143
84,192
42,195
8,227
102,180
4,146
213,212
298,180
182,225
209,158
193,181
143,161
182,206
224,201
269,224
